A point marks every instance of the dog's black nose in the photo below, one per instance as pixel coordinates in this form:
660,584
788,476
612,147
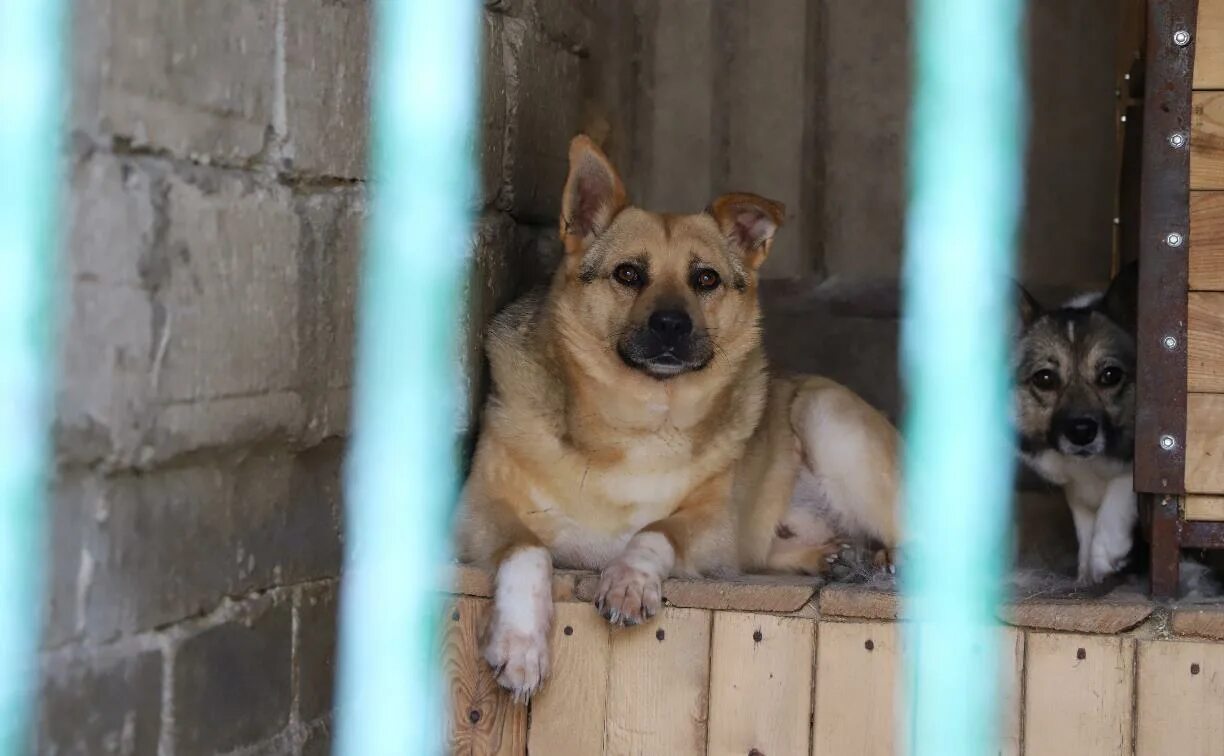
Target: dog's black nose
1081,431
671,325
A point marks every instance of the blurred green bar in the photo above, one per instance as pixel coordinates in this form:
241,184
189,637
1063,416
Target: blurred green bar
401,478
31,108
966,192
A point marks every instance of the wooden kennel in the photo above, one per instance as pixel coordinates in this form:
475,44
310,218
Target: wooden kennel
1179,445
775,667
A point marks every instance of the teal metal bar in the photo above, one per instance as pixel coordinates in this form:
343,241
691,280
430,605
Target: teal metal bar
966,183
401,480
31,109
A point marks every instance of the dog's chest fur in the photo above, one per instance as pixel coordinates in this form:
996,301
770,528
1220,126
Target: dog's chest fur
1084,479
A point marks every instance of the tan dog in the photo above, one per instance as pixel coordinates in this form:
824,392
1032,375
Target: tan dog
633,426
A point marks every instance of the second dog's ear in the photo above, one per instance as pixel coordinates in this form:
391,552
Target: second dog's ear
593,195
1028,306
1121,301
749,222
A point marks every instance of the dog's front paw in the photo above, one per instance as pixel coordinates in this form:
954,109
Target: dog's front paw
518,656
1106,557
628,595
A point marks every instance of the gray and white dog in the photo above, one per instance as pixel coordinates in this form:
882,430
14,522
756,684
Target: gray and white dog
1075,414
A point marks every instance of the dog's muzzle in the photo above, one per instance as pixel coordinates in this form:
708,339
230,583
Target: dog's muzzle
667,345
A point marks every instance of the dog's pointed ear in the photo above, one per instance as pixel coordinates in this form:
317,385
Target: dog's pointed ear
749,223
593,196
1121,301
1027,305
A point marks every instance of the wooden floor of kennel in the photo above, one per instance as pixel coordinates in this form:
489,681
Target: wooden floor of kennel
773,666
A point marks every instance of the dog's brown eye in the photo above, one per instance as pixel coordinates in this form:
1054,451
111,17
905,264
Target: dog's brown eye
1109,377
706,280
628,274
1044,380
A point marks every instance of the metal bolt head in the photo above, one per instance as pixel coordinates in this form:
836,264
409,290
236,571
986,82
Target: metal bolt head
1177,140
1167,442
1170,342
1181,37
1174,239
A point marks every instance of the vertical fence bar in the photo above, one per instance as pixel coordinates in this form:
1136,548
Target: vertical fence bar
966,170
31,108
400,482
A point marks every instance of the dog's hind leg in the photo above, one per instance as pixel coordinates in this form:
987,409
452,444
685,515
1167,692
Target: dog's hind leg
851,452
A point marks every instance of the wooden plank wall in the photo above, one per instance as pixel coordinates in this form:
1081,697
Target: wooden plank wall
1205,317
698,681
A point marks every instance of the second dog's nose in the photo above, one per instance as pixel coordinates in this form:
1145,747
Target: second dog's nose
671,325
1081,431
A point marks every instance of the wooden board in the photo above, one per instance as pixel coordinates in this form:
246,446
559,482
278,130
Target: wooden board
1078,694
1011,693
658,686
1205,443
760,683
858,670
1207,241
481,717
1205,342
1207,141
1209,45
1180,705
1203,508
567,716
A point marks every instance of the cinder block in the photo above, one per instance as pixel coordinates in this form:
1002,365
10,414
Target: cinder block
101,704
545,114
206,310
194,78
158,547
570,23
327,49
493,104
316,650
492,283
233,681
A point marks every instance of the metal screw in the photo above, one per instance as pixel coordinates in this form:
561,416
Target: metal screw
1170,342
1167,442
1177,140
1174,239
1181,37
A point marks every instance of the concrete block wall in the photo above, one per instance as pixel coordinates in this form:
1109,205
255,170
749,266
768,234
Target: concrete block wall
216,197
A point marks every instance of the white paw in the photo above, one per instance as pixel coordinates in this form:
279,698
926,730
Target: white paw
1107,556
628,595
519,657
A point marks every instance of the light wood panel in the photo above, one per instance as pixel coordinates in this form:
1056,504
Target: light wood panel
1205,443
568,715
1180,706
658,686
858,670
1209,45
1207,508
1205,342
1207,241
1207,140
481,717
1078,695
761,683
1011,693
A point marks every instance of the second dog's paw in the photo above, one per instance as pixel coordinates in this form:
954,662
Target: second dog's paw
628,595
519,658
